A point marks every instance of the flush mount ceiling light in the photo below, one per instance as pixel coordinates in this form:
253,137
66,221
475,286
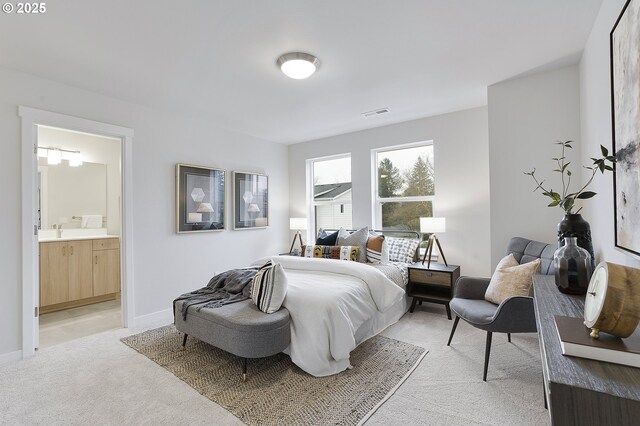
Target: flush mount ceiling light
298,65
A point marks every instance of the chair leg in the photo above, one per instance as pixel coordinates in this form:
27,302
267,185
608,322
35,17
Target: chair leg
184,340
487,351
509,337
244,369
453,329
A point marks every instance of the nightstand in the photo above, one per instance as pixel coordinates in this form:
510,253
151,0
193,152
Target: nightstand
433,285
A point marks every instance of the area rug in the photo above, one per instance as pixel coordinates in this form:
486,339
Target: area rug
277,392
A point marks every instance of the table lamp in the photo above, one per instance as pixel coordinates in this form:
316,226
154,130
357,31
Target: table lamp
431,225
296,224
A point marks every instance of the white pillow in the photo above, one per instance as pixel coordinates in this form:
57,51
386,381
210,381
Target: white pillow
269,287
511,279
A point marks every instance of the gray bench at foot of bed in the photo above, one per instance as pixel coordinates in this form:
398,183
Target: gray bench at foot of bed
238,328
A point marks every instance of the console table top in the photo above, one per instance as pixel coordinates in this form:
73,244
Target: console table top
612,379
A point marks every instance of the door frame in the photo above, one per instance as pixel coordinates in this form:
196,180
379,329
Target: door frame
30,119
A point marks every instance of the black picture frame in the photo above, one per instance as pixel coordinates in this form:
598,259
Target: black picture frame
250,200
200,199
625,98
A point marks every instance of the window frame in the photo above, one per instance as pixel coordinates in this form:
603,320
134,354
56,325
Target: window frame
376,201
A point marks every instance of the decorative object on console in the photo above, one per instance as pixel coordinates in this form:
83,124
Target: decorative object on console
625,99
573,267
297,224
250,200
511,279
573,225
200,190
357,238
331,252
431,225
612,303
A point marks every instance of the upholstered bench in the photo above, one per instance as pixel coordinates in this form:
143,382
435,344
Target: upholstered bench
238,328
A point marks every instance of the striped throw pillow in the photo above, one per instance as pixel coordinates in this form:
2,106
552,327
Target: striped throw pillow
269,287
331,252
377,251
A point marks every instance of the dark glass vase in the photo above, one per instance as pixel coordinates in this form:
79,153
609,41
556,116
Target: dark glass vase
572,267
573,225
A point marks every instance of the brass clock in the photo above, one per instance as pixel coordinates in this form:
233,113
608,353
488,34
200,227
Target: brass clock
612,303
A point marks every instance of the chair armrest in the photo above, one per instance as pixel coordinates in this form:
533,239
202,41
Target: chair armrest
471,288
516,315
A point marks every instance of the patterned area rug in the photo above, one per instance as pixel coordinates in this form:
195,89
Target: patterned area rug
277,392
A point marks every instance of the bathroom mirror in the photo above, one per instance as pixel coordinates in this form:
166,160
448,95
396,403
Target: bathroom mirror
67,192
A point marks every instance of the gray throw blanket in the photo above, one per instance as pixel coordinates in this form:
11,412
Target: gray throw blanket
231,286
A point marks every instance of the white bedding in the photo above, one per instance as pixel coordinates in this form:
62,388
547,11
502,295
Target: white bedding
334,305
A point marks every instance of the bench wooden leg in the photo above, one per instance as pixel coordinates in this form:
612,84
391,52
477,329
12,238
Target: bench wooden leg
184,340
244,369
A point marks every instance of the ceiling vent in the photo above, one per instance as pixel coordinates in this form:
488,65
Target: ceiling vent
375,112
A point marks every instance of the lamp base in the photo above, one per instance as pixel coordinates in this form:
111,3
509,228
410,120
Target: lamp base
299,235
429,251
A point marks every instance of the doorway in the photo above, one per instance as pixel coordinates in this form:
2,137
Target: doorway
109,224
79,192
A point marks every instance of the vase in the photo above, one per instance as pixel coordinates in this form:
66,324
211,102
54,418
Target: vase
573,225
573,267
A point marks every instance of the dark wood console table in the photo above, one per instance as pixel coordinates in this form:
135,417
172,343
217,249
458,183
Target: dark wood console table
580,391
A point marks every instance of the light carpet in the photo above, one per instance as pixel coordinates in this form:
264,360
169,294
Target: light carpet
277,392
98,380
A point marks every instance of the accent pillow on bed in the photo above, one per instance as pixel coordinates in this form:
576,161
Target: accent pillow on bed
377,250
357,238
326,239
331,252
511,279
402,249
269,287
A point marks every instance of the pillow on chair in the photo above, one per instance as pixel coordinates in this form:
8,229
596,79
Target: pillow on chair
511,279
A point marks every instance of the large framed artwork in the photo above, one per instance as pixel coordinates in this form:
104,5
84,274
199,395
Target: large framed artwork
625,99
250,200
200,198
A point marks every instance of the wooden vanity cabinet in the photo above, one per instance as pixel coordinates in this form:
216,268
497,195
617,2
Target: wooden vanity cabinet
78,272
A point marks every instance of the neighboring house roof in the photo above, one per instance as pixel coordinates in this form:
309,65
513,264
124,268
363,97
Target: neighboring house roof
330,191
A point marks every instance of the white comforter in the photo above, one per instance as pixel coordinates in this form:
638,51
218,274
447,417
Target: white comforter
328,300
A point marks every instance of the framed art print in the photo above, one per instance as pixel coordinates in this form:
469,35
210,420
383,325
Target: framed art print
250,200
625,99
200,198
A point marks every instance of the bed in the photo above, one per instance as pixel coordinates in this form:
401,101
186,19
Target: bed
336,305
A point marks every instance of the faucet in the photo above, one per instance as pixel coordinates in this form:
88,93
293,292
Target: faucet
58,229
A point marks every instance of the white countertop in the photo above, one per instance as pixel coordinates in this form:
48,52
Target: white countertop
86,237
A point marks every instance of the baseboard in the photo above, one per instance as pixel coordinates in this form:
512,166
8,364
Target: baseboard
155,319
10,357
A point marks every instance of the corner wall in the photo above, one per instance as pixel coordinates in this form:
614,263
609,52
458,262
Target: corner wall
526,116
166,264
595,108
460,142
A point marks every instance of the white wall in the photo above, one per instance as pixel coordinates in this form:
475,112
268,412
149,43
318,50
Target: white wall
526,116
166,264
461,171
595,108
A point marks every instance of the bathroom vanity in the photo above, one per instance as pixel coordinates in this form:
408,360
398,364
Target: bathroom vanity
78,271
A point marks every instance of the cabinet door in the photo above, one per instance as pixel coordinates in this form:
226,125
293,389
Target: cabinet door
80,269
106,272
54,273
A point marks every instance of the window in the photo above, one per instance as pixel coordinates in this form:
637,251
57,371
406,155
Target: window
404,186
331,194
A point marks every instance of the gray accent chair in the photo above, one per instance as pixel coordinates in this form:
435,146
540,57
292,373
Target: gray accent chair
514,315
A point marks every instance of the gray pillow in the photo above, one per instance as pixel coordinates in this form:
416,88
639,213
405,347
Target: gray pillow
358,238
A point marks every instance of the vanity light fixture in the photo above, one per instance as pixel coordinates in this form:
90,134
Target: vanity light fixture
56,155
298,65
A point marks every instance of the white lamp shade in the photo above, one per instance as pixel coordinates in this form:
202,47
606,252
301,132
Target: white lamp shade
205,208
54,157
298,223
431,225
75,159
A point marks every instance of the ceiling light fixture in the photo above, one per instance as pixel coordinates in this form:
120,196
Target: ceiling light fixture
298,65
